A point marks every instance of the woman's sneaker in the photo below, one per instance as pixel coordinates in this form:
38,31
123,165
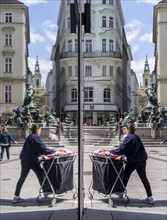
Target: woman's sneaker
149,200
17,199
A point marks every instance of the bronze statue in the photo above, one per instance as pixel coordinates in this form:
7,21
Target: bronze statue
151,93
28,100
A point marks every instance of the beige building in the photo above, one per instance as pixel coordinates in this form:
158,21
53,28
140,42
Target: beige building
39,95
14,40
147,80
160,40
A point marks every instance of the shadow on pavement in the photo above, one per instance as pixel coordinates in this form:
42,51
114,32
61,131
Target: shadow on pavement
123,215
89,214
30,202
141,204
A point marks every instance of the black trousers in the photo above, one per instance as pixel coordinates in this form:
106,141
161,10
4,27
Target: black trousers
25,169
7,152
140,167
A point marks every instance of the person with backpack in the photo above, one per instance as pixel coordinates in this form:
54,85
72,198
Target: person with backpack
5,142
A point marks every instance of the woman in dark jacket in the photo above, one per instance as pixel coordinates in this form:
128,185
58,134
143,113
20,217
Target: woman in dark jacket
32,149
5,142
133,148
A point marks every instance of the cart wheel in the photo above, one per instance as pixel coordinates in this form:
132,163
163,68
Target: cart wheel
75,195
127,199
90,195
39,199
53,202
110,201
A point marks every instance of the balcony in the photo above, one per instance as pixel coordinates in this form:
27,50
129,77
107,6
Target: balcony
94,54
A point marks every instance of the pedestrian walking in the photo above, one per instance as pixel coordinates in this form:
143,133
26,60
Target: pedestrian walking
133,148
32,149
160,125
164,140
20,125
153,125
5,142
119,128
58,128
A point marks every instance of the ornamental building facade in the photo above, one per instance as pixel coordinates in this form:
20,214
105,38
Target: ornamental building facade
105,66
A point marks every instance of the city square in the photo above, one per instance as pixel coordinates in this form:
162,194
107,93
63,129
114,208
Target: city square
94,122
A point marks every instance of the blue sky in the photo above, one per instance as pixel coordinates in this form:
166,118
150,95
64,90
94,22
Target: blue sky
138,15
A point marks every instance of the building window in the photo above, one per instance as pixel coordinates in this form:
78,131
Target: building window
68,2
37,82
146,83
111,2
76,45
104,24
103,1
88,94
111,71
69,70
88,45
8,17
111,22
8,94
111,45
103,45
76,70
103,70
106,95
8,65
88,71
69,45
73,95
68,23
8,40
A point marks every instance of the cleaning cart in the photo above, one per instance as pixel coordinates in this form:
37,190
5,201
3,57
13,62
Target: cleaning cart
57,175
107,174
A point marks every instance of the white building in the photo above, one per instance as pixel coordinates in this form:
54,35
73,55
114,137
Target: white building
49,90
160,40
105,60
134,93
14,40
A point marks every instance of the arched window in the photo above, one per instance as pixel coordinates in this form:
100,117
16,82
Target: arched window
106,95
73,95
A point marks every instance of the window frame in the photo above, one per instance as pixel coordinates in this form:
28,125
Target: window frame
8,39
104,45
69,45
8,65
88,45
8,94
104,21
107,95
8,17
88,94
74,95
88,71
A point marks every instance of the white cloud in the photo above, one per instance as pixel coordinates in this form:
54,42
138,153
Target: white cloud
134,48
50,29
133,29
49,24
45,67
33,2
147,37
51,35
138,67
49,49
36,38
152,2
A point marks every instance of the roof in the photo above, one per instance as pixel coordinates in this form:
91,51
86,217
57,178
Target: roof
10,2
